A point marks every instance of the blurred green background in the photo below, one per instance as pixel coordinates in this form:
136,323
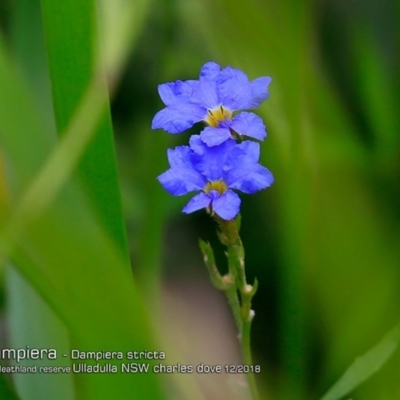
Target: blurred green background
323,241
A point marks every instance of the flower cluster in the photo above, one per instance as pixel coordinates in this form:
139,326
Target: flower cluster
219,159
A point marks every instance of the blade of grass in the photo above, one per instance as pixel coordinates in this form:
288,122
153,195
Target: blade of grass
121,23
30,319
33,323
72,43
365,366
73,49
377,93
76,268
6,393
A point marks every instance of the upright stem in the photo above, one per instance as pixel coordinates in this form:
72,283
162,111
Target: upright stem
232,284
225,283
234,304
245,345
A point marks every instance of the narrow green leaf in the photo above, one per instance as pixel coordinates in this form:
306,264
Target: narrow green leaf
73,49
30,319
75,266
6,393
377,92
121,24
33,323
365,366
209,260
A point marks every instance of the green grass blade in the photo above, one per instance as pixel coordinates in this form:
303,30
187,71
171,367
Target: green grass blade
121,25
377,93
33,323
72,43
73,264
6,393
30,319
23,118
365,366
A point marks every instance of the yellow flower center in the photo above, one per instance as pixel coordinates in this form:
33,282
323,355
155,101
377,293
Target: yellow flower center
217,115
219,186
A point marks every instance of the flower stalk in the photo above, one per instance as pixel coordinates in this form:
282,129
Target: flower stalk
238,292
217,163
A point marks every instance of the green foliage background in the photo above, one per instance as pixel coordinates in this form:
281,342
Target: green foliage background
78,84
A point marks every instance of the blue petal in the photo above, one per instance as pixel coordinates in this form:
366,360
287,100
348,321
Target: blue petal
196,144
214,136
181,180
201,200
249,124
206,93
174,93
227,205
234,96
188,91
179,157
168,93
234,89
247,152
249,178
210,161
207,96
260,91
178,118
202,93
235,74
186,88
210,71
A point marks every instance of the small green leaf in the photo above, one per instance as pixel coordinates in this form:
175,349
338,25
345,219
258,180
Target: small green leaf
365,366
209,259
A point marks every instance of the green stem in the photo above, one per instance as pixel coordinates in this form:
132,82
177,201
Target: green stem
247,359
245,343
234,303
233,284
225,283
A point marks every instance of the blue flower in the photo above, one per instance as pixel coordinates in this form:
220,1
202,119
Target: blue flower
215,171
213,99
